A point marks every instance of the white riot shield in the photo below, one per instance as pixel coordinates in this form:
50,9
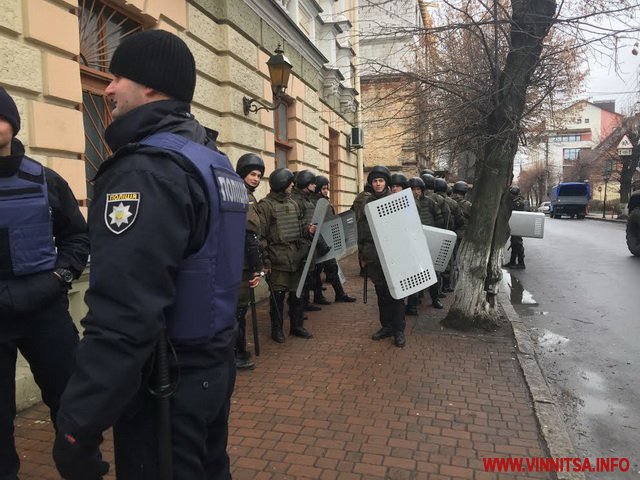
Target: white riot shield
319,215
527,224
401,245
341,235
441,245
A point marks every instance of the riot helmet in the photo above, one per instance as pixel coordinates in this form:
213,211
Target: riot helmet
426,171
321,181
416,182
280,179
515,191
248,163
460,187
429,181
399,179
304,178
379,171
441,185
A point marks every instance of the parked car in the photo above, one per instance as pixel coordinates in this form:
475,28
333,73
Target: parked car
545,207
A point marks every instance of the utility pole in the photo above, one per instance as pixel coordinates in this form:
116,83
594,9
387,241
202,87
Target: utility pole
546,168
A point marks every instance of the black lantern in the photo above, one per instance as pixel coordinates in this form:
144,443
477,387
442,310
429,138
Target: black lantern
279,72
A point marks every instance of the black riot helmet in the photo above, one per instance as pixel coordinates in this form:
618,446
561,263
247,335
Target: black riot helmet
429,181
416,182
320,182
460,187
248,163
379,171
426,171
399,179
280,179
304,178
515,191
441,185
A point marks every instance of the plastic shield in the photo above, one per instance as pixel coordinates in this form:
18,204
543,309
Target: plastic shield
341,235
527,224
441,245
319,215
401,244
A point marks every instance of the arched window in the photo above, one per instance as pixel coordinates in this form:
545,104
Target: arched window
102,28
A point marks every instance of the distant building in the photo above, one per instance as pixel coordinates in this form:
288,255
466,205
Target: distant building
390,45
579,127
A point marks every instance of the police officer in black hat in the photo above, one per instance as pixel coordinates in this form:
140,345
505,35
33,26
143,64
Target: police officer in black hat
167,230
286,239
391,311
43,247
304,195
250,167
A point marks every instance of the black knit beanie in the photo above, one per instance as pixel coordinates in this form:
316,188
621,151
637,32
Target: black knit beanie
9,111
157,59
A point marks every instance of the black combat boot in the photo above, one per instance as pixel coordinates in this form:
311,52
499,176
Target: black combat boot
412,305
319,298
296,317
341,295
242,355
435,301
276,306
399,339
384,332
512,260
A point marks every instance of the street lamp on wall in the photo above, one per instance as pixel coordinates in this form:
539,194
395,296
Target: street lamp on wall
279,70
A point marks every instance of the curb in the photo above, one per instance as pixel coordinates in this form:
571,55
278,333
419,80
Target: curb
551,424
600,219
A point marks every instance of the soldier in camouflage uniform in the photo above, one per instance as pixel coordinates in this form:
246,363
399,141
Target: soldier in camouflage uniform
357,208
441,222
517,245
330,267
455,223
391,310
430,215
460,189
398,182
304,195
250,167
286,240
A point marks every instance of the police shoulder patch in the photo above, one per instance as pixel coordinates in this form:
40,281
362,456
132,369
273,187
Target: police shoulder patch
121,211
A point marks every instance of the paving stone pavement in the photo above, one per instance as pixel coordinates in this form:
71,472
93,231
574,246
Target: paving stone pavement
343,407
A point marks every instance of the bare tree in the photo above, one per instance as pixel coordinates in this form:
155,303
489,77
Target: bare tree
493,70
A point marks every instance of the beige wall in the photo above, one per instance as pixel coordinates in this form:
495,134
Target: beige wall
388,128
39,44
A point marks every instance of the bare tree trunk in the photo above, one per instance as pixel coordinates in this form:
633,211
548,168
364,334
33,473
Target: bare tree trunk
531,22
500,237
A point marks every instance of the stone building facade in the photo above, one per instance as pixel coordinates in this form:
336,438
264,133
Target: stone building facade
54,56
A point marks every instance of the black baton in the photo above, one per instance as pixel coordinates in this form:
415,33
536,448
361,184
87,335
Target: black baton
254,321
163,393
273,298
364,287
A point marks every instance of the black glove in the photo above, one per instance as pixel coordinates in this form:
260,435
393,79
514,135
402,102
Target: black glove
78,461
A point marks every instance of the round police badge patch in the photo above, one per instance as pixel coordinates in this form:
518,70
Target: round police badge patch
121,210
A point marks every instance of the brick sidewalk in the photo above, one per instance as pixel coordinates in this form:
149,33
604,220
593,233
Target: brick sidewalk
341,406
